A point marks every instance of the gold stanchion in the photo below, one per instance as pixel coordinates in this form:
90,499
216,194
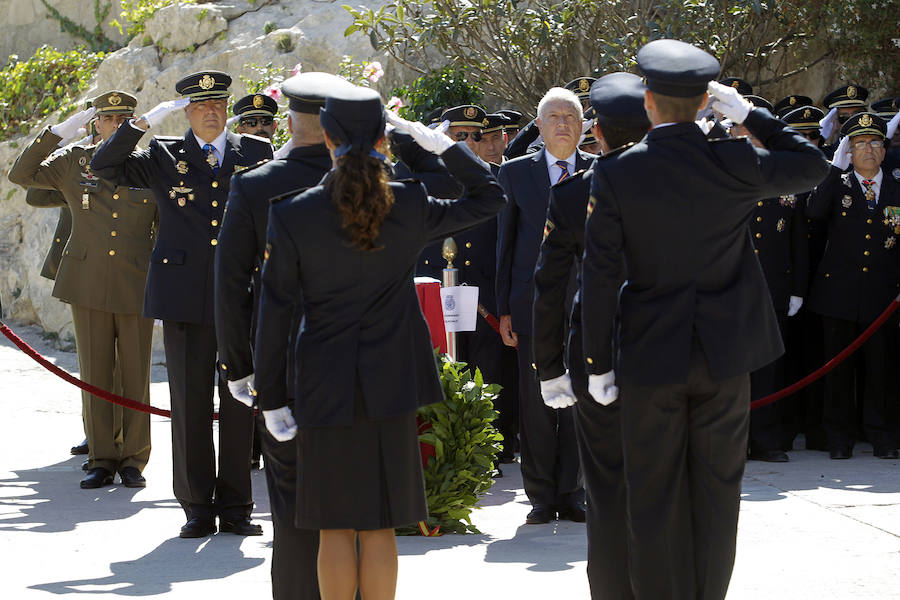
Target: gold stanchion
449,278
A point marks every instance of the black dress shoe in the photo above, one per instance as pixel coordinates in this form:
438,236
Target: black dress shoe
539,515
840,453
889,453
198,527
96,478
239,526
775,456
84,465
573,513
81,448
132,478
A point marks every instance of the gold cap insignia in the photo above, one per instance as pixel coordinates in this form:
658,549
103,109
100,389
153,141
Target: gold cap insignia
584,85
851,91
484,123
114,99
257,101
470,112
807,113
206,82
735,84
865,120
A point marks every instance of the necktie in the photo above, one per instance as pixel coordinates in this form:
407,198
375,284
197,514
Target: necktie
211,158
870,194
565,170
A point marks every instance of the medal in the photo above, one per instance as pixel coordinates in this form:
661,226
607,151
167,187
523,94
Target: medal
85,201
789,200
82,161
780,225
181,202
889,243
846,201
182,167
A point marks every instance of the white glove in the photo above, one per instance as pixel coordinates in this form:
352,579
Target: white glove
603,388
431,140
841,158
892,126
729,102
557,392
242,390
280,423
69,128
828,123
156,114
794,306
284,150
705,125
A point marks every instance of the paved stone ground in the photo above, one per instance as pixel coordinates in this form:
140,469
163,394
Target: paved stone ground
809,529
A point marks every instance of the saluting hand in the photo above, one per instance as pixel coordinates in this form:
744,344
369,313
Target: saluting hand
729,102
828,123
68,129
841,158
156,114
432,140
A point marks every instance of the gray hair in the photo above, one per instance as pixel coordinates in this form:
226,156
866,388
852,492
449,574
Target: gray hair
558,94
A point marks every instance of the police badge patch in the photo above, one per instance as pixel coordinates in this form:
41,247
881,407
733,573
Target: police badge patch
889,243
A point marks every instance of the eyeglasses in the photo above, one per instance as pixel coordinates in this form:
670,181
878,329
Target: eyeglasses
251,121
460,136
810,135
874,145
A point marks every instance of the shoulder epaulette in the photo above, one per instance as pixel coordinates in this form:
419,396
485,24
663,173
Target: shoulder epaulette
728,139
256,138
168,138
616,151
573,177
407,180
239,169
287,195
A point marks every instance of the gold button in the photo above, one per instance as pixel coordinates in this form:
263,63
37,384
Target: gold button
213,242
755,250
113,233
843,213
115,215
468,244
180,183
115,196
38,140
165,260
214,222
865,269
760,203
590,360
534,366
426,261
868,237
827,274
869,221
758,235
215,184
58,240
112,252
214,203
759,219
145,201
468,262
866,253
224,367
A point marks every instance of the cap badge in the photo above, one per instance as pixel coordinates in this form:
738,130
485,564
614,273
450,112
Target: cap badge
114,99
470,112
257,101
206,82
584,85
484,123
865,120
735,84
792,101
807,114
182,167
851,91
846,201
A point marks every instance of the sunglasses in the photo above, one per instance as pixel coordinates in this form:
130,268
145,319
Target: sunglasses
460,136
252,121
810,135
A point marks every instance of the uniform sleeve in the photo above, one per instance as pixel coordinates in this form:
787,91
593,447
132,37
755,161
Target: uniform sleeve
507,227
519,145
234,264
601,274
551,279
280,286
44,198
821,200
31,170
426,167
789,164
116,159
484,197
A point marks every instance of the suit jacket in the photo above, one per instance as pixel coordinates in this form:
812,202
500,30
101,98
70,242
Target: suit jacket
48,199
191,199
779,230
361,315
104,263
677,206
859,273
242,242
526,182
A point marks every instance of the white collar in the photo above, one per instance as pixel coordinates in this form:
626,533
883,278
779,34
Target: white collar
218,144
551,160
879,176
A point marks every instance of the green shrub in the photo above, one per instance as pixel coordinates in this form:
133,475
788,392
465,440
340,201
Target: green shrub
135,14
465,447
269,27
446,87
33,89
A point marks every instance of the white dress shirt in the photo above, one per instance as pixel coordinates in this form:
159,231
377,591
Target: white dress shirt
554,169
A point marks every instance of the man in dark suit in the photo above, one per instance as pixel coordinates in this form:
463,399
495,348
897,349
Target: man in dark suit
694,316
547,436
858,277
618,103
190,177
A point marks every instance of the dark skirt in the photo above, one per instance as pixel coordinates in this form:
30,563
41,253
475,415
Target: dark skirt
366,476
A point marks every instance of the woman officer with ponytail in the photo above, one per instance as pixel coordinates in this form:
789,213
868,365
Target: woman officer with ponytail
346,250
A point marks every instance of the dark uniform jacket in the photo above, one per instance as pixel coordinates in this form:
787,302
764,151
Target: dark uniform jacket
859,274
779,231
417,163
50,199
526,182
243,239
191,200
677,206
104,264
362,320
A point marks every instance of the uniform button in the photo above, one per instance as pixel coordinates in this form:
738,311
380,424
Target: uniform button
534,366
869,221
214,204
213,242
113,233
58,240
868,236
865,269
224,367
145,201
115,215
809,236
866,253
589,360
827,274
112,252
759,219
38,140
468,244
215,184
165,261
426,261
115,196
758,235
843,213
760,203
468,262
756,250
214,222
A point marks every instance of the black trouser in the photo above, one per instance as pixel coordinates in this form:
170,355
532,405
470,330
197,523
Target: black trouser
802,412
294,551
191,363
684,447
766,432
508,402
869,366
550,469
